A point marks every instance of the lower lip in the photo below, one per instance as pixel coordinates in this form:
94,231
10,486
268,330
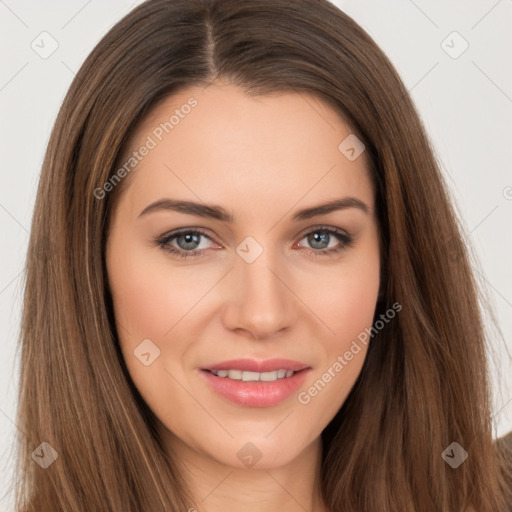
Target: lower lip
256,393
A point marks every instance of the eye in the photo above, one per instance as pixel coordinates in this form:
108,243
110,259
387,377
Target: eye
320,239
187,240
186,243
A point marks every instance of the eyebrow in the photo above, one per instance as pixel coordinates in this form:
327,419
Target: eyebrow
219,213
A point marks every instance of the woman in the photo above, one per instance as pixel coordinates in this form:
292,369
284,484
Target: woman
257,370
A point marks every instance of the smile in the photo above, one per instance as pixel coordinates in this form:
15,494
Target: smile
255,382
247,376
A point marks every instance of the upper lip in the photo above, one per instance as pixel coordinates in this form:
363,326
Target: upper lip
254,365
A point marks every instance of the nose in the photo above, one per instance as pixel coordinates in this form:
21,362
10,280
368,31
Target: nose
261,300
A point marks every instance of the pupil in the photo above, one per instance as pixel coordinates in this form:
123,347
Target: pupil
316,237
189,240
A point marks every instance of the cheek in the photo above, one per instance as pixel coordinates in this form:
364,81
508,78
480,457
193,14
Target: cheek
347,306
348,310
346,302
352,306
148,300
149,303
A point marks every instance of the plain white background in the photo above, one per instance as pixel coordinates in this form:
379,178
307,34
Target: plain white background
464,100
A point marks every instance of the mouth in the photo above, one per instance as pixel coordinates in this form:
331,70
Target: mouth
248,376
253,383
248,365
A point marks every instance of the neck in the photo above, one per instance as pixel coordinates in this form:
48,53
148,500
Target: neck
216,487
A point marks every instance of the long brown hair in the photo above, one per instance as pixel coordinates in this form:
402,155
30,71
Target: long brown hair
424,383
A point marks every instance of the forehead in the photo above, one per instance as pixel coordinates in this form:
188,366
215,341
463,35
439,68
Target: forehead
218,143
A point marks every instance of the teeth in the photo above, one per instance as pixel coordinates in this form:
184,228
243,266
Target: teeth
235,374
247,376
253,376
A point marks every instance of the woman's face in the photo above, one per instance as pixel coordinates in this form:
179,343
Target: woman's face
267,283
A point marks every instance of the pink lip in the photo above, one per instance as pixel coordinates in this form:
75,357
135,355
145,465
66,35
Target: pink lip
253,365
256,393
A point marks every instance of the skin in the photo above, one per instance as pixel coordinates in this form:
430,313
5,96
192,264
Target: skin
262,159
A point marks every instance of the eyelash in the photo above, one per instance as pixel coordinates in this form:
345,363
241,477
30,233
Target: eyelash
164,242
